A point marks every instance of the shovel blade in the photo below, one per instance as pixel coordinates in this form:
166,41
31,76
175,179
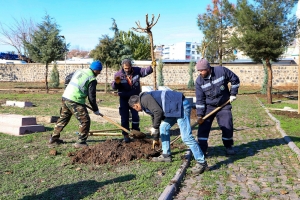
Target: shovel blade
137,134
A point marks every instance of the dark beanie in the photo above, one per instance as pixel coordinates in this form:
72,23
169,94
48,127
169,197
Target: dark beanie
202,64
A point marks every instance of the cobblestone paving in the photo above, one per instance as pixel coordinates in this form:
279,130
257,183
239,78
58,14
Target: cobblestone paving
263,168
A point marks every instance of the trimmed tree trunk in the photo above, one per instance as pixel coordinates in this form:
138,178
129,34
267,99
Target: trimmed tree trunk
153,60
46,78
270,77
106,79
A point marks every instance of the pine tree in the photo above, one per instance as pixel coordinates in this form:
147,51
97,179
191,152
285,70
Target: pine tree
191,83
110,51
46,44
263,31
216,25
54,78
138,44
160,73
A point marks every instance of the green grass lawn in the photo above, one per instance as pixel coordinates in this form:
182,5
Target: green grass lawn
291,126
28,171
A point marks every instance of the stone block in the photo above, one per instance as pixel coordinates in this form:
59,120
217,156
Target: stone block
20,130
17,120
20,104
47,119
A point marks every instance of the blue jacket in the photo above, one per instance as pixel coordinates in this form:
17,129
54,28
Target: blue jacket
161,104
124,88
214,90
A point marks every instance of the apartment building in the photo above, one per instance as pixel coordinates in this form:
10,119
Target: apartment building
181,51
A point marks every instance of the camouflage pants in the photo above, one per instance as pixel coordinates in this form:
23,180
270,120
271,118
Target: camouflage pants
68,109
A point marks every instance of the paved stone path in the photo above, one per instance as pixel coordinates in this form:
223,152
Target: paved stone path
263,168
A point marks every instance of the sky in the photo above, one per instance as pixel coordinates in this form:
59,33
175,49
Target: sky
83,22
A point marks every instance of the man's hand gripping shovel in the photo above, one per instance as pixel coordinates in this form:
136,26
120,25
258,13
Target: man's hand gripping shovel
134,133
203,119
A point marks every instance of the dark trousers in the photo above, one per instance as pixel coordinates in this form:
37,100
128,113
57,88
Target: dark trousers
224,119
124,112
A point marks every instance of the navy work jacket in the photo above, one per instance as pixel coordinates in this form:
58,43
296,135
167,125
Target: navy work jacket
214,90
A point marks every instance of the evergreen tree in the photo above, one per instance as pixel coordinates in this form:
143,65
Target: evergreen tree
46,45
263,31
111,51
216,26
160,73
191,83
138,44
54,78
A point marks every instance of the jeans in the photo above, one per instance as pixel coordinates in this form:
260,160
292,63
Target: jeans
185,132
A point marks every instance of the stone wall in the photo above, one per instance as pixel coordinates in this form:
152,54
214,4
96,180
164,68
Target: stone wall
174,74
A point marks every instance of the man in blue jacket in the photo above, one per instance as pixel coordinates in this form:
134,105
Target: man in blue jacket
211,92
127,82
82,85
166,108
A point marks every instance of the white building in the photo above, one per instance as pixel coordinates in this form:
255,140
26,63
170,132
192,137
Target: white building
181,51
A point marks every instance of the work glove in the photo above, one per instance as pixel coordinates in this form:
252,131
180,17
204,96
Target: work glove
200,120
117,79
155,144
154,133
232,98
97,112
153,64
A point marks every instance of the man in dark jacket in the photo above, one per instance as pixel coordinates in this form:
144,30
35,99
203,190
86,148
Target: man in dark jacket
211,92
127,82
82,84
166,108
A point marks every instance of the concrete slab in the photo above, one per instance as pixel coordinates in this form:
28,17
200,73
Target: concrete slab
47,119
17,120
20,104
20,130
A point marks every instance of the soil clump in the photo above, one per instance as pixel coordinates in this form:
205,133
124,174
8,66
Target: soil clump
117,151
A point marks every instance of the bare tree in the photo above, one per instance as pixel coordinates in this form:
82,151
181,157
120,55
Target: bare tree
148,31
15,33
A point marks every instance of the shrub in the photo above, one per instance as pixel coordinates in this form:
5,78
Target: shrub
54,78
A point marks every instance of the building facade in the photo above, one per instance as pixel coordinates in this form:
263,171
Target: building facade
181,51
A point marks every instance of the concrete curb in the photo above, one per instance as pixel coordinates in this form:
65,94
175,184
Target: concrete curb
287,139
170,190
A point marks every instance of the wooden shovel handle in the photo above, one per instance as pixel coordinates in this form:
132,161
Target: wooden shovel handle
212,112
111,121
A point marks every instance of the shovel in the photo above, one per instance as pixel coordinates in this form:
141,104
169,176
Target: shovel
133,133
204,118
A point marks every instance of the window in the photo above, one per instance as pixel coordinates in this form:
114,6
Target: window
193,52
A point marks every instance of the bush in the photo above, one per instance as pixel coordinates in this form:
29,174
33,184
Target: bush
160,73
191,84
54,78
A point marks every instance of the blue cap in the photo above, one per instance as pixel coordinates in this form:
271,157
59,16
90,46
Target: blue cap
96,65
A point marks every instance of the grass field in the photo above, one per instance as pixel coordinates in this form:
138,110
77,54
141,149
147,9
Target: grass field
28,171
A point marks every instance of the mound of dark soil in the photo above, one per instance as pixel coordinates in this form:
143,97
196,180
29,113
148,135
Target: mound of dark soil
116,151
287,114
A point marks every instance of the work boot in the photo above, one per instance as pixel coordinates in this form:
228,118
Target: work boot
199,168
80,145
230,151
127,138
162,158
55,140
